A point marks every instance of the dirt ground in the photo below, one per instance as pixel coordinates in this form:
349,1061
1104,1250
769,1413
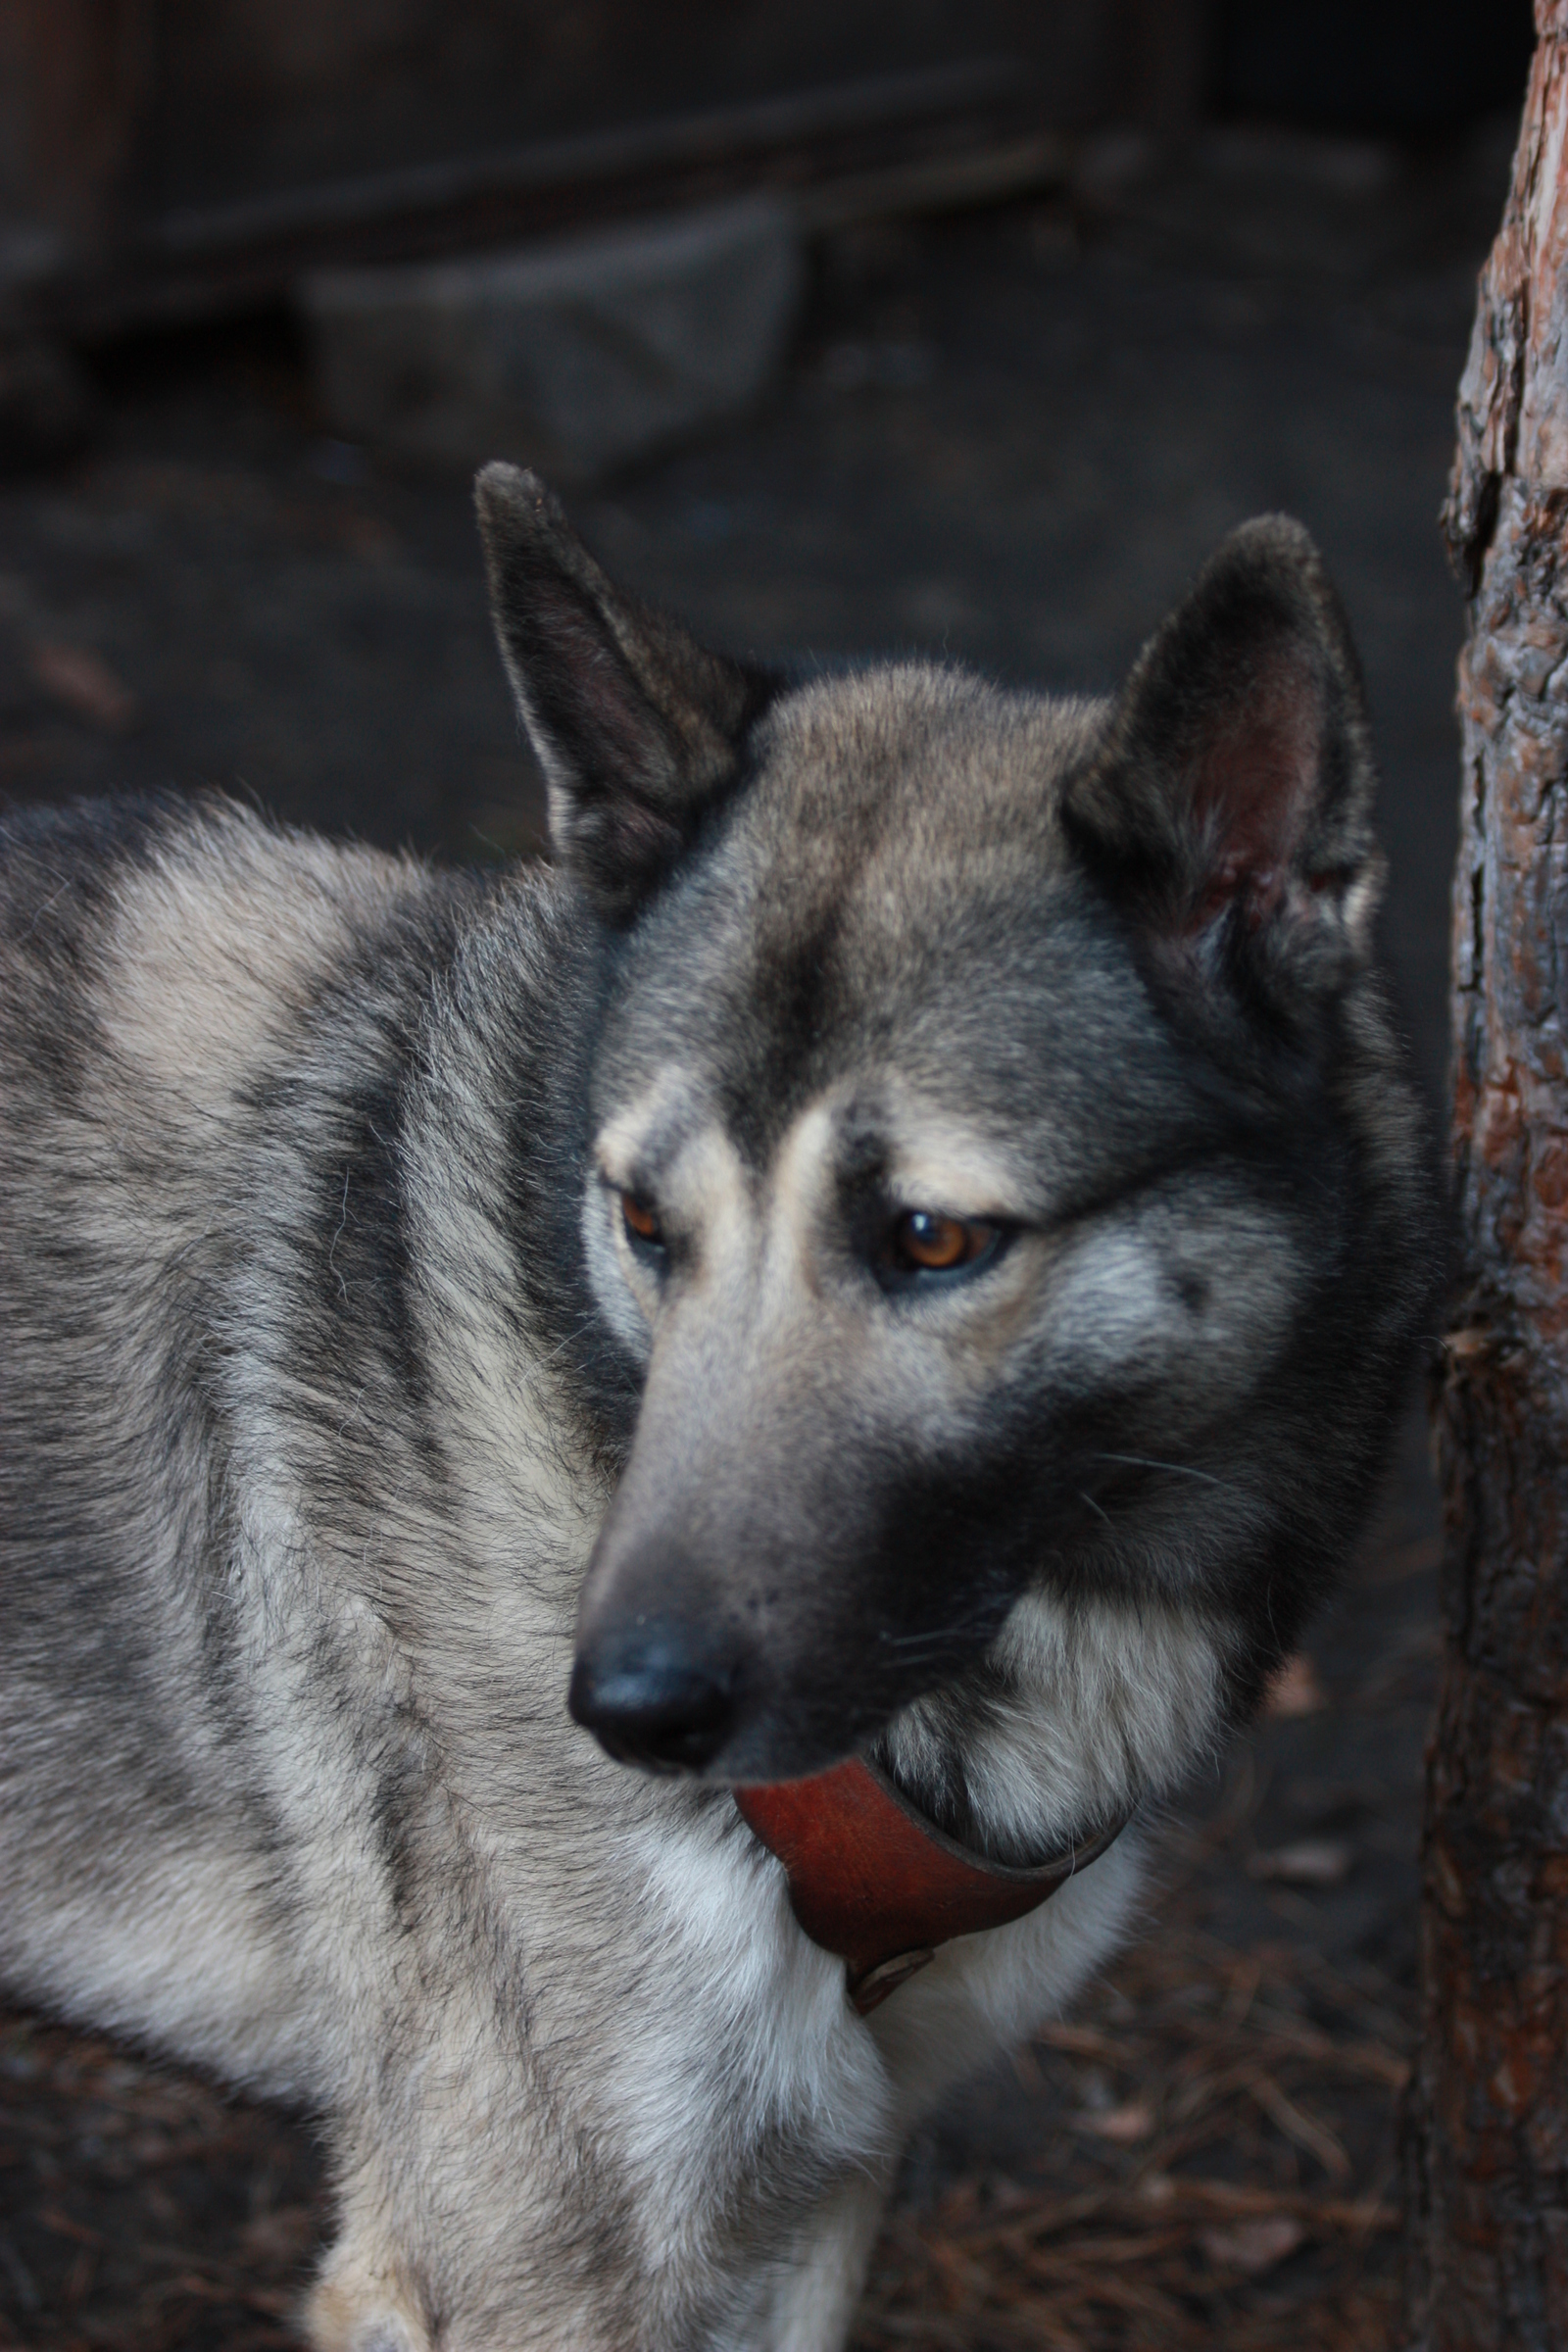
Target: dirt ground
1007,438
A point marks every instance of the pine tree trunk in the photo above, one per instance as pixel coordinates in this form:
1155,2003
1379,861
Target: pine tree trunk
1487,2120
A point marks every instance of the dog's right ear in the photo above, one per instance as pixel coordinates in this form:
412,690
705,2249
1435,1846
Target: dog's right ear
637,727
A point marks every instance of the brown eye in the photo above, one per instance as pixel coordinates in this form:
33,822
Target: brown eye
924,1241
642,1222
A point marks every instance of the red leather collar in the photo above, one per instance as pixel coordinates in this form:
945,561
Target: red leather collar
874,1880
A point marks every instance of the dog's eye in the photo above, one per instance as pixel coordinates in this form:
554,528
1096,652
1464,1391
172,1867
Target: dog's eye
643,1229
924,1241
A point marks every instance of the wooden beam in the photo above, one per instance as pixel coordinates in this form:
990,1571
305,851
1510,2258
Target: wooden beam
885,144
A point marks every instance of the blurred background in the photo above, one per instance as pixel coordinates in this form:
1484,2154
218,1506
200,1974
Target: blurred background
959,326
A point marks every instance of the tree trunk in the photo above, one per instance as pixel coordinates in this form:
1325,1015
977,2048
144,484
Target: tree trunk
1487,2120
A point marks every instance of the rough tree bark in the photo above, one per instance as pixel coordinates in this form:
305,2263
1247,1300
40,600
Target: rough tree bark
1487,2121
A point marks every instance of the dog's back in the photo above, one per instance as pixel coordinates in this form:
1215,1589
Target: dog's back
167,978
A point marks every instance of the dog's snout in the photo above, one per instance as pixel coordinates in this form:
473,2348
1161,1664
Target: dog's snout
650,1699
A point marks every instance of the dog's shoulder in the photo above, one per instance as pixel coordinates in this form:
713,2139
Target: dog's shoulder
175,951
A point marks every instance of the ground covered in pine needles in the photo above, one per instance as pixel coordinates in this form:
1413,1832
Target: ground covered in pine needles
1218,2169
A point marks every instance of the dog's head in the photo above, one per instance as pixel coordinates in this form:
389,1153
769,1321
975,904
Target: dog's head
946,1184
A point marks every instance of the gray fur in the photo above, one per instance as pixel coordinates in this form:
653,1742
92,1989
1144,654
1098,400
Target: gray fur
342,1412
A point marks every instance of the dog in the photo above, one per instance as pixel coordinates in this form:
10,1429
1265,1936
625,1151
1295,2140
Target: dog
883,1276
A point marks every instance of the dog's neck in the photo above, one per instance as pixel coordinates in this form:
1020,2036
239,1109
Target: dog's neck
875,1881
1082,1710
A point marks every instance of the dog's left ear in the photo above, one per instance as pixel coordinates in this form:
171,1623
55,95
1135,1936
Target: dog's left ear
637,727
1231,806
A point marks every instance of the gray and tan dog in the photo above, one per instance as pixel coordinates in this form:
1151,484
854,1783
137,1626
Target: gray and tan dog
907,1240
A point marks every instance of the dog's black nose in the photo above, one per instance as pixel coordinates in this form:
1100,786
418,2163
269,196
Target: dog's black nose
649,1700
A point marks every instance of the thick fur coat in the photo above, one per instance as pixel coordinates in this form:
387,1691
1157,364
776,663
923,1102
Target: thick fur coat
909,1236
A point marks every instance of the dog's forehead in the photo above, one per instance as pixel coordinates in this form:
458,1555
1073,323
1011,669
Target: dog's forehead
884,810
892,892
911,766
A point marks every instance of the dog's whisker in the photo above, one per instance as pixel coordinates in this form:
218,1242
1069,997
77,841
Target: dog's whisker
1098,1508
1143,1461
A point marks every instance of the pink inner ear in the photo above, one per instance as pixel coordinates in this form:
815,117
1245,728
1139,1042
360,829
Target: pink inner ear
1253,784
